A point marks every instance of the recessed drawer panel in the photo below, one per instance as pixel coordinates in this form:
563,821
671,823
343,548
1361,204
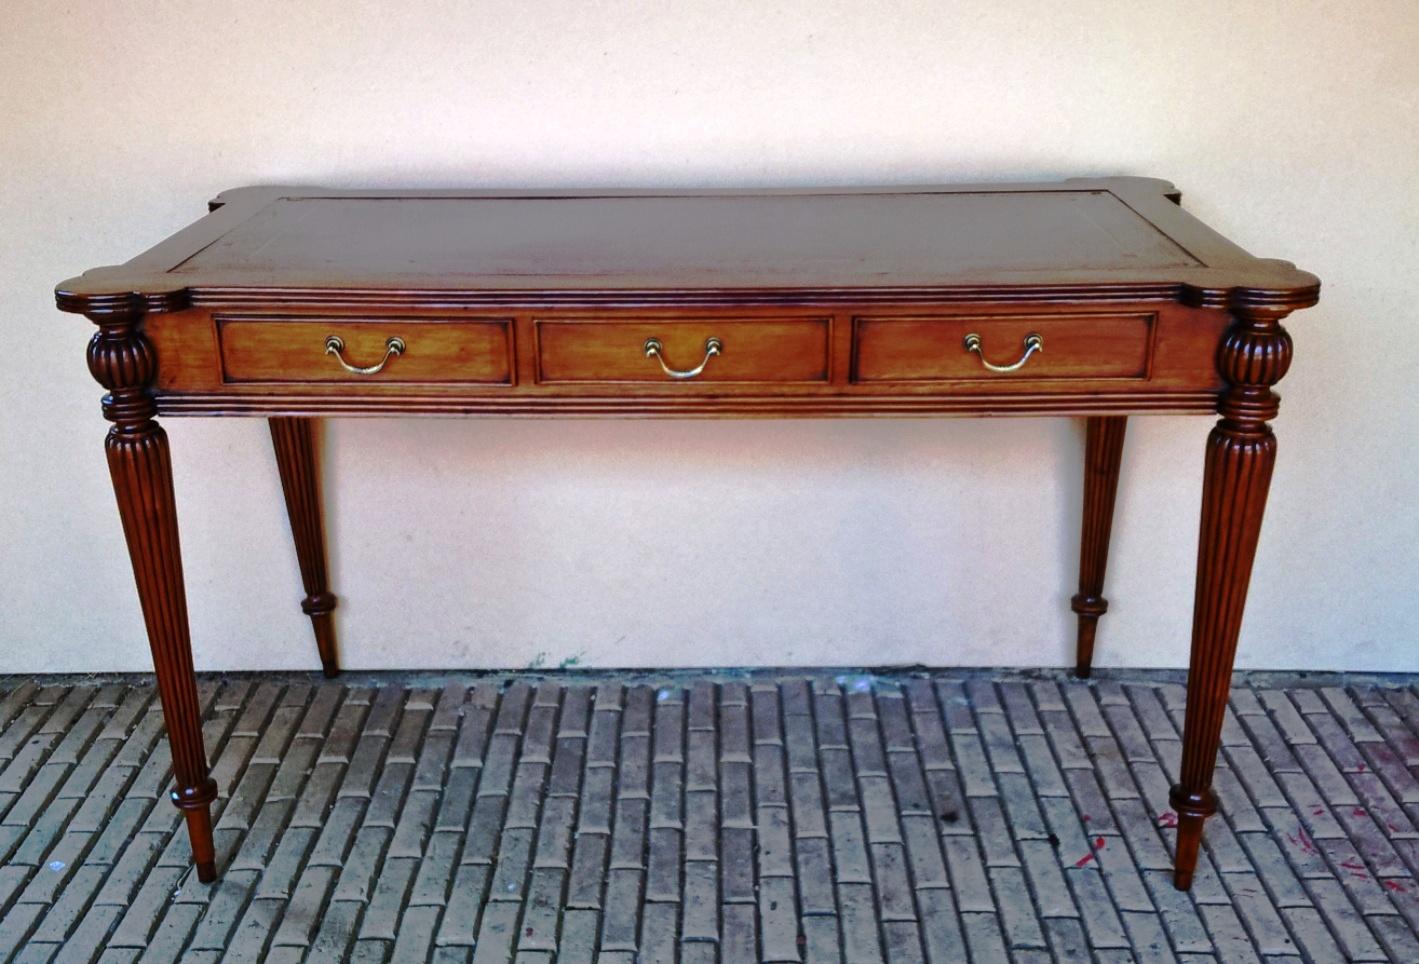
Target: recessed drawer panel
683,351
1025,347
365,350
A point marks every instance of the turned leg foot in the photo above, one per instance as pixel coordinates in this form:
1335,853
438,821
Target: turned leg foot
294,441
1192,810
1103,452
196,806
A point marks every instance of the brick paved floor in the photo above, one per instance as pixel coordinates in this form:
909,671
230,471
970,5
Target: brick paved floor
1006,817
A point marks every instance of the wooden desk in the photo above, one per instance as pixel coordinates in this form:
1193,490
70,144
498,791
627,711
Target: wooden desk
1097,298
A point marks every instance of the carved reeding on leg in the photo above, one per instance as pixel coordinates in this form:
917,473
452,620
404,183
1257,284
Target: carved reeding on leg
1103,452
294,442
123,361
1254,355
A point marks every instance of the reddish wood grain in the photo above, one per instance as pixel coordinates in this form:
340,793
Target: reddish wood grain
292,349
1241,451
299,467
1103,452
1076,346
755,349
123,361
781,363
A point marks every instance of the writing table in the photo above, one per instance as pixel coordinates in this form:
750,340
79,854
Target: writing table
1093,298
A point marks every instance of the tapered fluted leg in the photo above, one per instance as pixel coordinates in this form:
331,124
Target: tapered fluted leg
1241,451
1103,451
122,360
294,441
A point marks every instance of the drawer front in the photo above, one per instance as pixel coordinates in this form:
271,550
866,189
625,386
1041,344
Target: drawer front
939,348
748,350
428,350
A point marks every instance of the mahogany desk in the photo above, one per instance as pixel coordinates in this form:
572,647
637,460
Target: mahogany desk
1094,298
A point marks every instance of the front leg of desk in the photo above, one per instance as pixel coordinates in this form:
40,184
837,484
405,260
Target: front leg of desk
123,360
1241,451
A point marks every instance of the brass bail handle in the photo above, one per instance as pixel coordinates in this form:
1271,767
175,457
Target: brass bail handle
654,349
335,345
1033,343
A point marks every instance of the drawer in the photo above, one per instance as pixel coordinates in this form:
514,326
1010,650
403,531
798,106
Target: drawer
1076,346
269,349
730,350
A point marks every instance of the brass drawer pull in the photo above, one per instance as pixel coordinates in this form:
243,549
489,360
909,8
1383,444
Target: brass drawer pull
1033,343
334,345
653,349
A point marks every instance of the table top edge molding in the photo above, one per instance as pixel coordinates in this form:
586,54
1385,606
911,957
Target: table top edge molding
1209,270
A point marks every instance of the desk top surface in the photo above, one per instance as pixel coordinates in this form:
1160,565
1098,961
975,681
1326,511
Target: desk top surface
1082,236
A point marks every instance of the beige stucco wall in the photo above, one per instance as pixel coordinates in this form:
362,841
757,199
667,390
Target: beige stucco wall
1289,126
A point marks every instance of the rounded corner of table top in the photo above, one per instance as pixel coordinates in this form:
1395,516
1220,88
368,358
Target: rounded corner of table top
259,194
1262,285
88,294
1132,184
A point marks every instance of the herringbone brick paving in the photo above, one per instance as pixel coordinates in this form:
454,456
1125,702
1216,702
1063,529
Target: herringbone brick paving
858,818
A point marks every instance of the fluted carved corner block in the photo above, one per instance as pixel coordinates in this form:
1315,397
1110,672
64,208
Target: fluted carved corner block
1253,356
294,442
123,361
1103,453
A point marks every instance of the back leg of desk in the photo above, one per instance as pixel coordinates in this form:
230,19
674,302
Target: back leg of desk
294,440
1103,452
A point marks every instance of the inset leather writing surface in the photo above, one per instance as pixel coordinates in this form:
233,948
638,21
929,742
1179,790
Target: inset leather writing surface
1108,239
729,241
824,301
